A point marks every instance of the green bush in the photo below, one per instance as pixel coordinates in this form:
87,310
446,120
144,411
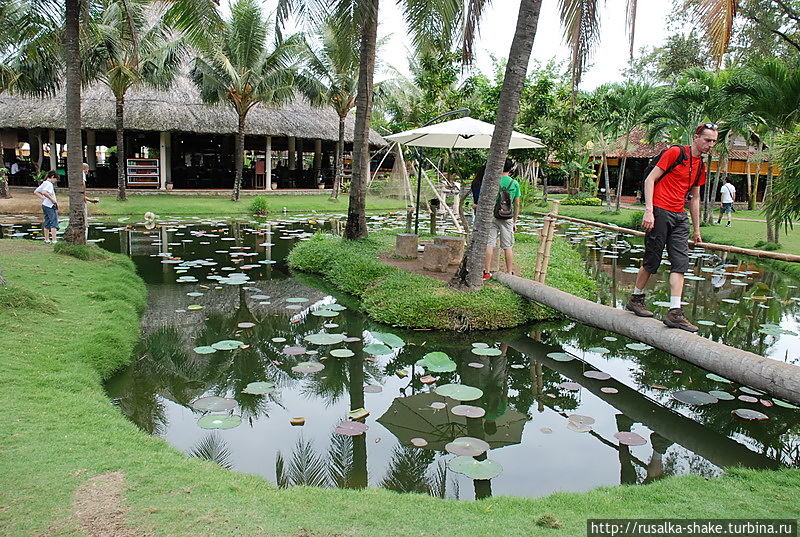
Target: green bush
769,246
589,202
634,220
259,205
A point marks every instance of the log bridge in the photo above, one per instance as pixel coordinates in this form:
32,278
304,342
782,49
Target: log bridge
779,379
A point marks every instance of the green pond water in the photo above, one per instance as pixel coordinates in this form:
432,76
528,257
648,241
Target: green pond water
234,351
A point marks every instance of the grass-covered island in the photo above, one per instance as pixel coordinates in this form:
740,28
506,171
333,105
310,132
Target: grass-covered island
395,297
73,465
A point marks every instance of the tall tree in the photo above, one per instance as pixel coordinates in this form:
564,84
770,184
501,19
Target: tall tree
470,271
333,61
124,47
242,68
77,218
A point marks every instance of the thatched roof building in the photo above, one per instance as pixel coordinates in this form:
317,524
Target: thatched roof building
178,109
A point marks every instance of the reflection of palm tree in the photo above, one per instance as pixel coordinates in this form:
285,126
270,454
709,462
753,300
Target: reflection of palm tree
213,448
408,472
306,467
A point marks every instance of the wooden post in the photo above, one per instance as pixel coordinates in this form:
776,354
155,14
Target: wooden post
540,251
433,220
91,149
268,163
406,246
549,242
54,150
292,156
409,218
164,161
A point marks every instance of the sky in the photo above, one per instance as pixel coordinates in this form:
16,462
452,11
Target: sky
497,31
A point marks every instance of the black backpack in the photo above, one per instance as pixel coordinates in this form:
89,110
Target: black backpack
502,207
678,161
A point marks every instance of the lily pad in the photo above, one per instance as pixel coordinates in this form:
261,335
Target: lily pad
206,349
377,349
475,469
578,427
437,362
784,404
279,340
480,345
246,325
308,367
213,403
389,339
609,390
486,351
373,388
216,421
227,344
335,307
721,395
748,399
570,386
560,356
294,350
627,438
598,350
342,353
324,339
296,299
638,346
597,375
748,414
468,411
750,391
419,442
717,378
610,338
194,307
583,420
467,446
694,397
351,428
704,322
459,392
324,313
438,405
260,388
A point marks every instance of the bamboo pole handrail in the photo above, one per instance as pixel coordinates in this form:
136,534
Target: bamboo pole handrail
780,256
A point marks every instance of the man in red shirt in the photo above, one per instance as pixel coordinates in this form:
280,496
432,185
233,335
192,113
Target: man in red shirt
666,223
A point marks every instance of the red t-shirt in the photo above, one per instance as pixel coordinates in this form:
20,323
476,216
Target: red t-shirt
670,191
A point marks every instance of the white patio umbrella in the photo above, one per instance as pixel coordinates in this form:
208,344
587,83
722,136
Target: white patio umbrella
461,133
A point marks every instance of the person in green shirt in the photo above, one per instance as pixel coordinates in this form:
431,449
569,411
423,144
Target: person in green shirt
504,228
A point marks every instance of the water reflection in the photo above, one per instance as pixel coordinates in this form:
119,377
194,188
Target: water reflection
527,407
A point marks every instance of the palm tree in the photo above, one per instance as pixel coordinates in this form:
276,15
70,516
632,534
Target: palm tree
122,49
77,219
334,64
241,68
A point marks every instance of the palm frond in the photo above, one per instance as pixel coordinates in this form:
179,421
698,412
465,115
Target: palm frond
306,467
718,17
340,460
630,22
433,24
472,21
581,22
407,471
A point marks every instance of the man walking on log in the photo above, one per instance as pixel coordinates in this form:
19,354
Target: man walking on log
679,171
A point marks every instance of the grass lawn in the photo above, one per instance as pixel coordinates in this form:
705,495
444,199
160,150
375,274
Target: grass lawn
67,323
173,204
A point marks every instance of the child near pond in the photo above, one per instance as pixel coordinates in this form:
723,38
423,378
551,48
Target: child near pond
47,192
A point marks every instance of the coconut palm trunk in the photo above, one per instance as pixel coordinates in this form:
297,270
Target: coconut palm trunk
753,199
356,227
76,232
767,212
119,125
607,182
621,178
337,176
239,158
470,271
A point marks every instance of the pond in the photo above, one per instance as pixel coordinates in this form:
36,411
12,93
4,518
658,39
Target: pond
274,373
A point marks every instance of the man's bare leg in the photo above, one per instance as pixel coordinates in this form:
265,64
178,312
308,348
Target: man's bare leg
675,285
642,278
509,254
487,260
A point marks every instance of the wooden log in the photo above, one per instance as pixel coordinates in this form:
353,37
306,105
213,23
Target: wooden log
454,244
548,245
543,233
780,256
435,258
777,378
406,245
409,218
696,437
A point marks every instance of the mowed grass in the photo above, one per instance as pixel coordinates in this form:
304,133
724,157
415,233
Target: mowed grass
169,204
78,320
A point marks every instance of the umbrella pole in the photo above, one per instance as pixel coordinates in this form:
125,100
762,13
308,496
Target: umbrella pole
419,187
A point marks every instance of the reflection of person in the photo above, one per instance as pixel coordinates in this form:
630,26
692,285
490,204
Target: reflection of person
666,223
502,228
727,195
47,193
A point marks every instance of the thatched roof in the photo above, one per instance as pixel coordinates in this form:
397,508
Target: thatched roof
638,147
179,109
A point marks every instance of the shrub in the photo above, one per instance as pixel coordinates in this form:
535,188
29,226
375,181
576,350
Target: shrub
259,205
769,246
634,220
589,202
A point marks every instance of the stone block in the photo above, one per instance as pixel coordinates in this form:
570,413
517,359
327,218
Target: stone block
406,245
454,244
435,258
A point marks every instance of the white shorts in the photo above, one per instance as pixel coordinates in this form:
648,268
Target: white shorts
505,229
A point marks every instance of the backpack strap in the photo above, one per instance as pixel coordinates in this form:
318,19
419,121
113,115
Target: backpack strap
677,162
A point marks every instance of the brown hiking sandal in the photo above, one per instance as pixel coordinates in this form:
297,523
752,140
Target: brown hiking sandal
676,319
637,306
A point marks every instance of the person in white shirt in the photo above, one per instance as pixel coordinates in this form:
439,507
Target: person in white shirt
47,193
15,168
727,194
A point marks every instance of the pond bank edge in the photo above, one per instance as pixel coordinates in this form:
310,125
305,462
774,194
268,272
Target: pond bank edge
63,446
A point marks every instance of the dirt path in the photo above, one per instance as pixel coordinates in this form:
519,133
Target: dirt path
98,507
414,266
